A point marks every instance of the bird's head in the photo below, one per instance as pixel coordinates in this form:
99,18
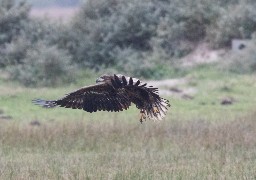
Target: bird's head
103,78
107,78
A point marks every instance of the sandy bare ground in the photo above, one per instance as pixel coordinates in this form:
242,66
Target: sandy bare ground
203,54
64,14
174,87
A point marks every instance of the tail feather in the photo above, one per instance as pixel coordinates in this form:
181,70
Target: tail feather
44,103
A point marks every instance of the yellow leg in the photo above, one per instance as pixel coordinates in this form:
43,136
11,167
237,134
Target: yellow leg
142,116
141,121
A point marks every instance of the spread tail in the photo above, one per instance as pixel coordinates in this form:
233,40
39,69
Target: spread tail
44,103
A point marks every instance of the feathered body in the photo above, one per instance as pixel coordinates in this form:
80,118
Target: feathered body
114,93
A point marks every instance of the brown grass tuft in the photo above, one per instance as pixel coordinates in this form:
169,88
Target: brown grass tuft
117,150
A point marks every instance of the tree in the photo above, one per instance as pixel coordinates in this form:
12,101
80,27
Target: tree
12,19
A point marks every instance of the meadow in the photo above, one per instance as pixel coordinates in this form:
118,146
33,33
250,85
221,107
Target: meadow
199,138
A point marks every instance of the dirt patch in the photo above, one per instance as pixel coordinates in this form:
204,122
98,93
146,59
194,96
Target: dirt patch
227,100
203,54
171,87
35,123
168,83
6,117
64,14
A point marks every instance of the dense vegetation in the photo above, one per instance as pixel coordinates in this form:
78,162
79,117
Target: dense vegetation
143,38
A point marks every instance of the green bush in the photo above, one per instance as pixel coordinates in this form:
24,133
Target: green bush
184,24
235,21
101,27
15,52
43,65
193,16
156,64
18,32
140,37
30,54
170,38
12,19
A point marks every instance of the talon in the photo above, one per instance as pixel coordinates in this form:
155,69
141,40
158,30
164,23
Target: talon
155,110
142,116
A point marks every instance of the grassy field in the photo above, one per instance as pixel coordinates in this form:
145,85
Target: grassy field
199,139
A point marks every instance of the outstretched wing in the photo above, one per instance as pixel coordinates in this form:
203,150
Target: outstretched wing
91,99
147,99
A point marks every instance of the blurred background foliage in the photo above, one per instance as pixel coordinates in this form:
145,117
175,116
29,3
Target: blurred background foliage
143,38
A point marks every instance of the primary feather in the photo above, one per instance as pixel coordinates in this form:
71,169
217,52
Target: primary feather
113,93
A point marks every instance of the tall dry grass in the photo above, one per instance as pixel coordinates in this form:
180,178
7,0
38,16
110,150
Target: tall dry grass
117,150
90,135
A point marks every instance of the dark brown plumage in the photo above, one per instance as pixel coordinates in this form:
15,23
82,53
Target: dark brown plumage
113,93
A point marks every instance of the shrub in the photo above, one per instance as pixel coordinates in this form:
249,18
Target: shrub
32,56
184,24
140,37
194,16
43,65
170,39
15,52
156,64
102,26
17,27
12,19
32,31
42,29
236,21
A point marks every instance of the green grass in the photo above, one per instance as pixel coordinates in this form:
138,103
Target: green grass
199,139
211,86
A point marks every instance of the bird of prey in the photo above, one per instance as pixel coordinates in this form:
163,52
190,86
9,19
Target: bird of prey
114,93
